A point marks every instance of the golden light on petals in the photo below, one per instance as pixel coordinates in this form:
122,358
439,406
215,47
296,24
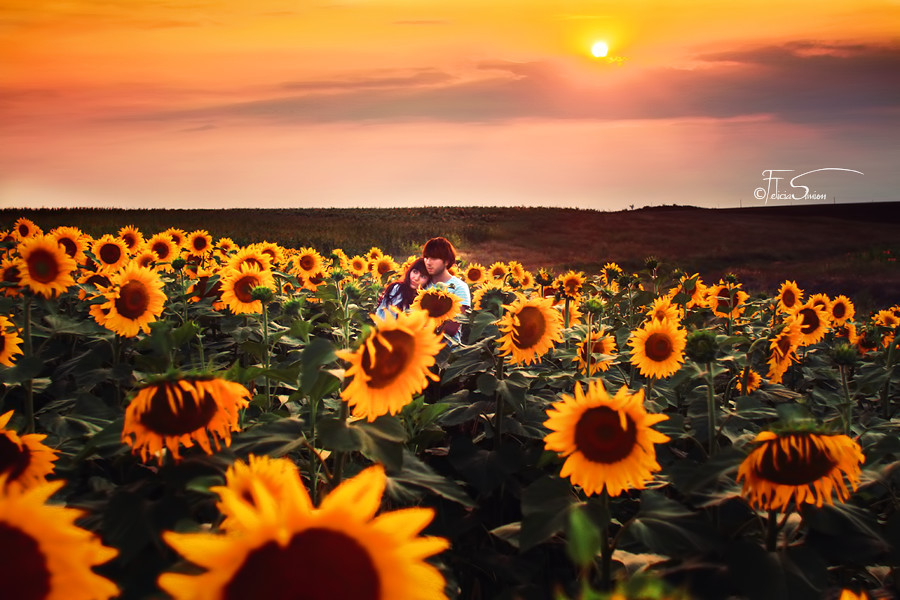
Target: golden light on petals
169,414
242,477
9,273
358,266
308,261
73,242
790,296
726,300
44,267
783,348
10,342
474,274
165,248
530,328
842,310
24,460
45,555
608,441
340,549
658,348
199,242
110,253
391,364
601,343
803,468
25,228
814,322
132,237
249,256
237,287
570,283
498,270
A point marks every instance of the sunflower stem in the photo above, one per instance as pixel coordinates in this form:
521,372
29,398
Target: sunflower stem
29,385
772,531
847,413
588,347
885,391
498,420
606,549
313,465
711,408
265,324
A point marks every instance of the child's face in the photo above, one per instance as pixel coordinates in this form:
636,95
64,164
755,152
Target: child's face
417,279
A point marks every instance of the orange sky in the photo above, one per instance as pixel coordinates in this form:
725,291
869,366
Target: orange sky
413,103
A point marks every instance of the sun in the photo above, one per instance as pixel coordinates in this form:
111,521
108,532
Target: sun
600,49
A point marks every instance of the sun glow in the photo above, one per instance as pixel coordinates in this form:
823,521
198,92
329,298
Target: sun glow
600,49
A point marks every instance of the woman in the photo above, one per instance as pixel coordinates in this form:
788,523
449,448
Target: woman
401,294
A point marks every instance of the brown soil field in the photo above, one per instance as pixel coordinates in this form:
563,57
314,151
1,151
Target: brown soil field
849,249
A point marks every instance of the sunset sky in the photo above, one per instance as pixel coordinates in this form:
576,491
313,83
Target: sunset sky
276,103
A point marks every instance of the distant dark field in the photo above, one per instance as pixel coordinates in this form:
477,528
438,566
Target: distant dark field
849,249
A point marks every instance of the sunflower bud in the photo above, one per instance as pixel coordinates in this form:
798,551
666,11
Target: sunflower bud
844,355
701,346
292,307
262,293
178,264
731,278
543,278
594,306
651,263
338,274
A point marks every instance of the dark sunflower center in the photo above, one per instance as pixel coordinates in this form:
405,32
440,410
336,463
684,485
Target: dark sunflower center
383,267
200,243
571,286
23,567
600,437
203,289
24,230
193,414
436,305
726,300
788,298
658,347
243,288
783,344
531,327
810,320
307,263
13,460
317,279
253,262
11,275
130,240
133,300
110,253
839,310
798,464
98,280
475,274
68,245
497,273
42,266
307,569
388,364
161,249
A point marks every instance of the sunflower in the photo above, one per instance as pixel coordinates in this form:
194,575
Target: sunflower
790,296
498,270
851,595
178,237
601,343
337,550
526,282
575,313
662,309
44,554
610,273
492,292
314,281
438,303
373,254
99,281
474,274
516,270
658,348
135,299
384,265
24,461
199,242
806,467
241,477
272,250
391,364
190,409
9,274
110,253
608,441
25,228
570,283
753,380
132,237
237,288
9,342
145,258
165,248
249,256
44,267
784,350
726,300
208,285
820,301
814,323
226,246
358,266
842,310
693,286
530,326
73,242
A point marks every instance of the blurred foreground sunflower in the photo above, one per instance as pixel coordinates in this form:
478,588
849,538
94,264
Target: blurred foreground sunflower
240,479
43,554
608,441
530,328
391,364
192,408
803,467
284,547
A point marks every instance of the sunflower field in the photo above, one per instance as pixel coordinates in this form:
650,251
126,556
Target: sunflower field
187,417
